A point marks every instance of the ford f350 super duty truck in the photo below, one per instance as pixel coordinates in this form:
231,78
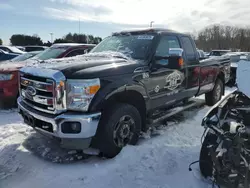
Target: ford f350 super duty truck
126,84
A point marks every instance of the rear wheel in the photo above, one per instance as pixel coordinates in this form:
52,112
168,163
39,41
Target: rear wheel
119,126
215,95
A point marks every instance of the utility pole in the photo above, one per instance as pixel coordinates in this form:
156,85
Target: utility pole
79,26
151,23
51,34
87,39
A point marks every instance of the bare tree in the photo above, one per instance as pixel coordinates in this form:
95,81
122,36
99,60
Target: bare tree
224,37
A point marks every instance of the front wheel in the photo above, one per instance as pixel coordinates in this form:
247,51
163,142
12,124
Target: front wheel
215,95
121,125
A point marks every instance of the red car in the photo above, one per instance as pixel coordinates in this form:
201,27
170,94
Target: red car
9,71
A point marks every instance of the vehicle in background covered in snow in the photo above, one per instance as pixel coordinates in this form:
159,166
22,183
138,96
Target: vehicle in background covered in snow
129,82
11,49
9,70
215,53
225,152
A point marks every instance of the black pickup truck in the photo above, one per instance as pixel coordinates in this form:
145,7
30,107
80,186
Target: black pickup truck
104,99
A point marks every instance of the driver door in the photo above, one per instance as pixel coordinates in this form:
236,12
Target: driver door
166,83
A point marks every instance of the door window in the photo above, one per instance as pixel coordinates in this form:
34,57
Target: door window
162,52
165,43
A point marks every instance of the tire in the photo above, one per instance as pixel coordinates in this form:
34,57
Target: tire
206,163
215,95
112,133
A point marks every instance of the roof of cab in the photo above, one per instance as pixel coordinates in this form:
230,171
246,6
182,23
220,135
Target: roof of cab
147,30
71,44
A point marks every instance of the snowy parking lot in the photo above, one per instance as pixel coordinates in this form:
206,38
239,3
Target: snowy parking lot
160,160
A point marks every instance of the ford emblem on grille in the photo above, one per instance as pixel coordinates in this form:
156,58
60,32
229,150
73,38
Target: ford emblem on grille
31,91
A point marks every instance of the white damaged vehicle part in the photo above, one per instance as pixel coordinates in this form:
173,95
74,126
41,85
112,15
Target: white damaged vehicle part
243,77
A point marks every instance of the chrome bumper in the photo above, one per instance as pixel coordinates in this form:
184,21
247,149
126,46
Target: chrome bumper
89,122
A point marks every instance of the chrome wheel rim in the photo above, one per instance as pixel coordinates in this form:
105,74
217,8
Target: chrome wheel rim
124,131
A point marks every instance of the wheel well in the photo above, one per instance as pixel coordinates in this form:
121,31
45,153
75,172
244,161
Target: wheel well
221,76
133,98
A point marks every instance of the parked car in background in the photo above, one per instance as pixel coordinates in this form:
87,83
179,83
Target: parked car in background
64,50
25,56
201,54
207,53
11,49
35,48
7,56
235,57
218,52
9,71
20,48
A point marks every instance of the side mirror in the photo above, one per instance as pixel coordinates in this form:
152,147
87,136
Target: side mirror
176,52
174,59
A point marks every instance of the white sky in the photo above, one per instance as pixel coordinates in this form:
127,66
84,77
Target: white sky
182,15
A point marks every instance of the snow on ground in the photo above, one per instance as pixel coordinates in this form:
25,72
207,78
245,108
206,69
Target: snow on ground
159,160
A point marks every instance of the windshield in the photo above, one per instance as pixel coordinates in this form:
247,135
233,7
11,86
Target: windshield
15,49
50,53
22,57
133,46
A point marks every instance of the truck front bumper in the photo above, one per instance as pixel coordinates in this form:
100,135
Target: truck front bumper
52,125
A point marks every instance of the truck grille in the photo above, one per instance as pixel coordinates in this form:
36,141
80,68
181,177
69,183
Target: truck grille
43,89
38,93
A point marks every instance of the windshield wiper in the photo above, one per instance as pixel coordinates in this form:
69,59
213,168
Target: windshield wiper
120,56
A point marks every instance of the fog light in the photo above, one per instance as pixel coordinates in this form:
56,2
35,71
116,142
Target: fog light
76,126
71,127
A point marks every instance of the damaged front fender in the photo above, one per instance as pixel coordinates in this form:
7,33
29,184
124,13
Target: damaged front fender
214,109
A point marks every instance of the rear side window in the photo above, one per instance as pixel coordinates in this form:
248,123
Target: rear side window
165,44
188,48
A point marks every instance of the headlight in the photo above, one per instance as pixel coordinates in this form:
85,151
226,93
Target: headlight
6,77
80,93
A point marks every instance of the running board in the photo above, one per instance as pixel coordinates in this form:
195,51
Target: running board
171,112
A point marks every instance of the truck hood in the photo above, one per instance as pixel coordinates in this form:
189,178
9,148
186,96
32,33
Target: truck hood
94,65
10,66
15,66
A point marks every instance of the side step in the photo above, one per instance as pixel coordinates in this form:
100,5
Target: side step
177,109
